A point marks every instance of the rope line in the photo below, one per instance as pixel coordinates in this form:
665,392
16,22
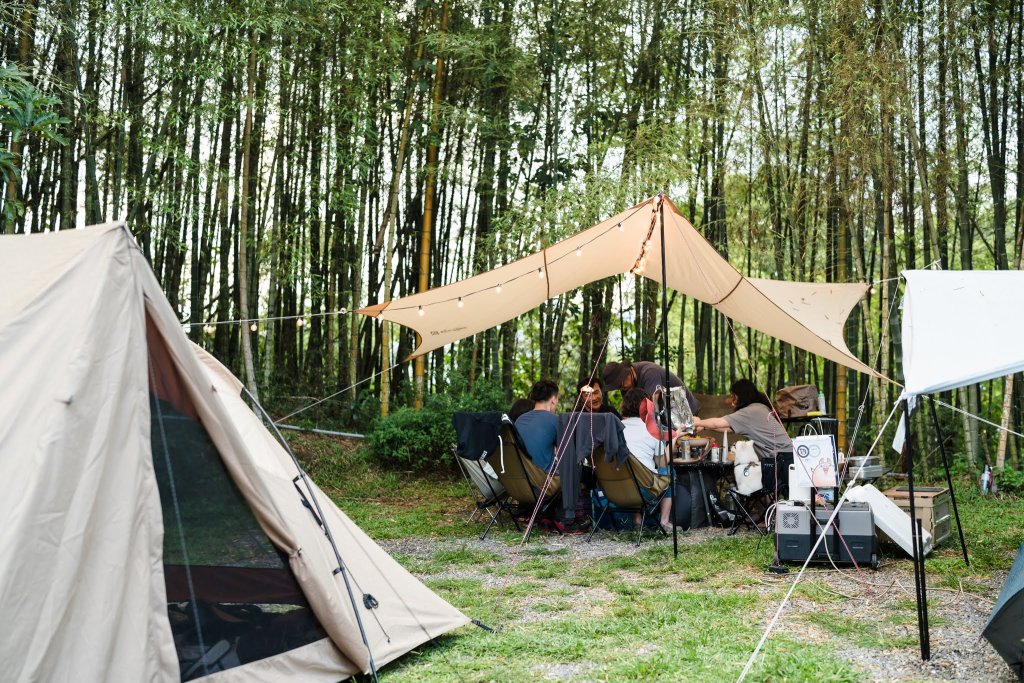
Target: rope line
336,393
785,600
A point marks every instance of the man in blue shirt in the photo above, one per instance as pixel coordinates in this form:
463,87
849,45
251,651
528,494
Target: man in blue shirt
539,427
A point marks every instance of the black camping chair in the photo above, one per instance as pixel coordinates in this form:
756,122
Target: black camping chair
487,491
477,436
774,486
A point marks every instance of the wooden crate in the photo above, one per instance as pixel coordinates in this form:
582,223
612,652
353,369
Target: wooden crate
932,506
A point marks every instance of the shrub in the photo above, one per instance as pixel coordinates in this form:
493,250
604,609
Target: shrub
423,439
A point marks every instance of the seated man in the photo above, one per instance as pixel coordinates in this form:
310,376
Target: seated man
646,449
539,427
593,398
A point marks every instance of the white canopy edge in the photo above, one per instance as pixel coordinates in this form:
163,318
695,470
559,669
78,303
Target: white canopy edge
961,327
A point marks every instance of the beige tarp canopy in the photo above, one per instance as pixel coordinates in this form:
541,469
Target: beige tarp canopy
105,402
806,314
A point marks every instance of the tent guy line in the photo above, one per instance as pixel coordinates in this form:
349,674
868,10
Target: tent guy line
829,523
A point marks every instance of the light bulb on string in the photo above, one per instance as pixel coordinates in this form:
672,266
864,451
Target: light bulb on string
301,322
622,228
344,311
647,246
254,327
421,312
579,251
460,302
873,290
497,289
540,273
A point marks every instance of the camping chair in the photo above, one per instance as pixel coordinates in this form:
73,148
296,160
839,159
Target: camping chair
773,489
624,486
488,491
522,479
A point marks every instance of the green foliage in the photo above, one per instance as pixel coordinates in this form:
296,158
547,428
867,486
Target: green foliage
422,438
24,110
1011,481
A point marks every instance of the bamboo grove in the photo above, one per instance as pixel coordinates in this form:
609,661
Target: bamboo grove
283,164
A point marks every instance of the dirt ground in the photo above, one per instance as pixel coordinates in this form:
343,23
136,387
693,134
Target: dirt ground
884,597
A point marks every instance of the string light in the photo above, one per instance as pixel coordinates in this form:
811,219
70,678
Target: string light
460,302
421,312
873,290
647,246
344,311
209,329
540,273
254,327
579,251
622,228
497,290
301,322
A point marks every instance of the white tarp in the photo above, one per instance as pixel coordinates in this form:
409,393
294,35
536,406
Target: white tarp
961,327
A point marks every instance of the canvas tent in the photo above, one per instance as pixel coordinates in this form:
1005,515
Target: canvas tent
152,528
1005,626
806,314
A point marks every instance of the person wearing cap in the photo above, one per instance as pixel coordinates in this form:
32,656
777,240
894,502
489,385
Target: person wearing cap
645,375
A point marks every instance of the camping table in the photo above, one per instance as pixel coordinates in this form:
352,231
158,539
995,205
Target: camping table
699,465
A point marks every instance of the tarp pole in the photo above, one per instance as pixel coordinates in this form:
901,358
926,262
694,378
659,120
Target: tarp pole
949,479
917,542
665,358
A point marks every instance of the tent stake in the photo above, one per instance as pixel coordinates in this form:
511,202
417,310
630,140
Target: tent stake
327,530
949,479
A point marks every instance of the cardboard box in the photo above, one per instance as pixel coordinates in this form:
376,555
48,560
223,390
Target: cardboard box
932,506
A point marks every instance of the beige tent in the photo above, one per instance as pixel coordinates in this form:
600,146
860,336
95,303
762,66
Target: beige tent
153,529
806,314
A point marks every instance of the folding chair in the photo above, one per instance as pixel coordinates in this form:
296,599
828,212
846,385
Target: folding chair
624,486
487,490
522,479
775,486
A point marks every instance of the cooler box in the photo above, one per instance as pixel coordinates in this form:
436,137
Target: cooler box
932,506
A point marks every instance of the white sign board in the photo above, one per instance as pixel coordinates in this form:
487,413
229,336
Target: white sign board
815,459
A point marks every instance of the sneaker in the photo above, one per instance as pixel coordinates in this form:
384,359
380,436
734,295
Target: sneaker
667,528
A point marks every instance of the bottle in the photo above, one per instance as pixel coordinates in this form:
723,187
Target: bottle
986,479
821,402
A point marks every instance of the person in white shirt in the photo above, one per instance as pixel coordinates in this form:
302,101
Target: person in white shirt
646,449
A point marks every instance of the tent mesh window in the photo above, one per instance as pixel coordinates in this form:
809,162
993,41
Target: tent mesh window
232,598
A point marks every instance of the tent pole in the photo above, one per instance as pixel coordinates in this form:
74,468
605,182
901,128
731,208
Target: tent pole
949,479
327,531
917,542
667,362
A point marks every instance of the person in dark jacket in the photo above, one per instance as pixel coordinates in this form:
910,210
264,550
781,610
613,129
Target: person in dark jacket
645,375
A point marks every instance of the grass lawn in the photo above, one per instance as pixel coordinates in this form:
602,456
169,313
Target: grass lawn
564,609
